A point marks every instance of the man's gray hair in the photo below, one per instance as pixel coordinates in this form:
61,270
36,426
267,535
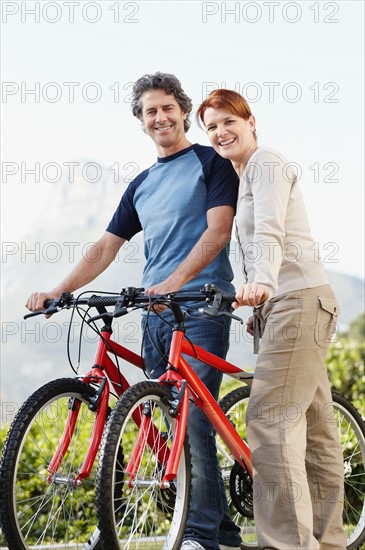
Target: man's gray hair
161,81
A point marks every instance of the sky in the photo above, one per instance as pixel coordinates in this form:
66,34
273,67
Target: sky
68,68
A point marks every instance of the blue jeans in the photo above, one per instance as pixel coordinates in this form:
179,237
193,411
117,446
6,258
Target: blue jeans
209,522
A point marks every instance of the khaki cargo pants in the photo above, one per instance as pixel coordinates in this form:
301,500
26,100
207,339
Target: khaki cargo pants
298,467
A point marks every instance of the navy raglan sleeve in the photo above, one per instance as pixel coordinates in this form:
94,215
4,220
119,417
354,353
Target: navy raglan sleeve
125,223
221,179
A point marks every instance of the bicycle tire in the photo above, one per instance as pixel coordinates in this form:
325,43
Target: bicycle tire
141,515
40,512
239,496
351,429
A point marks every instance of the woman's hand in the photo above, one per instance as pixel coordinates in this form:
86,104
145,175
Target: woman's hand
252,294
249,325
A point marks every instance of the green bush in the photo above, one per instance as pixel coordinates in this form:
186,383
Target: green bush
345,363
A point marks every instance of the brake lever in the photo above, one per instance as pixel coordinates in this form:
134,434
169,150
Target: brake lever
49,311
208,311
214,310
120,310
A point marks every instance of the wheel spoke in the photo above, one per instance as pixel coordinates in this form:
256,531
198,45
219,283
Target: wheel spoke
352,438
47,510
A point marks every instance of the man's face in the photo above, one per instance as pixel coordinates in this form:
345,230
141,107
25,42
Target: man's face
164,121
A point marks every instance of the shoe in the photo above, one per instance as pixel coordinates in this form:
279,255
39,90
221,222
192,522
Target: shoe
224,547
191,545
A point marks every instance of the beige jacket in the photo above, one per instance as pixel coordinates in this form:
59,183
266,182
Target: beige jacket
272,227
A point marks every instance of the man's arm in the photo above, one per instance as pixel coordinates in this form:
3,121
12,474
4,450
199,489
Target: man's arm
98,257
210,244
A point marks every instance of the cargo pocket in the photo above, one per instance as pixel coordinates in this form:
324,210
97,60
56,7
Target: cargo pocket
326,324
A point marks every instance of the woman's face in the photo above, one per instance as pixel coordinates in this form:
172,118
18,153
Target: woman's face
230,135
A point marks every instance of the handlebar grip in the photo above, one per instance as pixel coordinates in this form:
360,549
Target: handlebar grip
230,298
99,301
48,305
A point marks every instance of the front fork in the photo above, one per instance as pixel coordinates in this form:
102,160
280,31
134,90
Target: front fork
100,405
148,433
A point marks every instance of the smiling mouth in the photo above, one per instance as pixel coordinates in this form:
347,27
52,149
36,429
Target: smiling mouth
163,128
227,142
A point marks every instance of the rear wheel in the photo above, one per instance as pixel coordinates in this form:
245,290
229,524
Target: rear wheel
238,490
37,509
140,513
351,429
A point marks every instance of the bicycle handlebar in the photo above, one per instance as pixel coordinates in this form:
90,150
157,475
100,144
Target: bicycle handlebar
132,296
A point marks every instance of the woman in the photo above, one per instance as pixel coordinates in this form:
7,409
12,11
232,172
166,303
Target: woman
298,471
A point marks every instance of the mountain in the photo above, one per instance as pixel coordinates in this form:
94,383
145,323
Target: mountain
350,295
34,351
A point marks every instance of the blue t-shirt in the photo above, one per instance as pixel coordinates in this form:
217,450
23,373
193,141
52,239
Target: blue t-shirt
169,202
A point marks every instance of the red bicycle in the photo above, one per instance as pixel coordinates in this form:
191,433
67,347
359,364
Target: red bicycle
48,463
144,475
47,469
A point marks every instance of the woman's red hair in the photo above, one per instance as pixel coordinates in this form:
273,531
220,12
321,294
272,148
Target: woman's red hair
225,99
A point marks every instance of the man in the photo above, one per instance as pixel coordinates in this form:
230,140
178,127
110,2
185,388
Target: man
185,205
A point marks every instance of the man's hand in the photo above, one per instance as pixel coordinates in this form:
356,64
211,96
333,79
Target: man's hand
165,287
251,295
36,300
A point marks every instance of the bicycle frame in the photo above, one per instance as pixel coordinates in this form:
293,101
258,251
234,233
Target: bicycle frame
106,374
188,383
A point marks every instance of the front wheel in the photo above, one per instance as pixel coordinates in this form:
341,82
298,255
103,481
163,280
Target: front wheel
138,513
37,509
